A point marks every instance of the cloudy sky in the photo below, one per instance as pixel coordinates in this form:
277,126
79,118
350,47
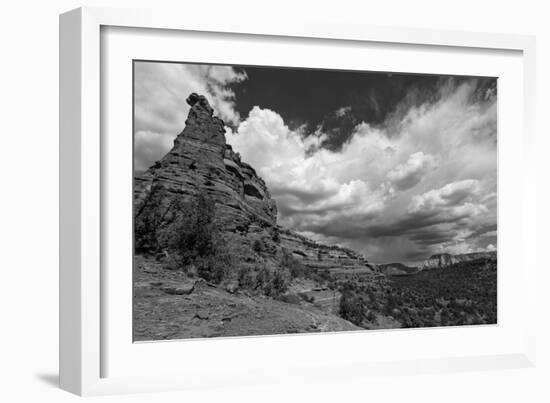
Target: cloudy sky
397,166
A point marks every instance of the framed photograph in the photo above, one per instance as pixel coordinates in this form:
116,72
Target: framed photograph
243,203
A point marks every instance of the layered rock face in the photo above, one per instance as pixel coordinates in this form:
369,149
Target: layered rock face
443,260
335,259
201,161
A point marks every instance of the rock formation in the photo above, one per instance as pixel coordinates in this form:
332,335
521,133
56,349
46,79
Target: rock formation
443,260
201,161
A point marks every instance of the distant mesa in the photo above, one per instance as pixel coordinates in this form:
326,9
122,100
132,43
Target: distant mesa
437,261
443,260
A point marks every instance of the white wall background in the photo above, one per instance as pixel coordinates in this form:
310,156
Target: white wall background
29,201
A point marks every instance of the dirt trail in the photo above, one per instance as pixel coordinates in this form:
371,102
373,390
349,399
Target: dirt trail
168,306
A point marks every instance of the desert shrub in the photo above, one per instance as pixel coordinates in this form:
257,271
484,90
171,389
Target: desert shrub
325,275
390,304
275,236
209,269
191,234
352,307
245,278
370,316
307,298
216,266
221,262
296,270
279,283
148,220
263,280
258,245
271,283
192,231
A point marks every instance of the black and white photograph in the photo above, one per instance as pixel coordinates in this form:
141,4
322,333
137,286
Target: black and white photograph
233,201
282,200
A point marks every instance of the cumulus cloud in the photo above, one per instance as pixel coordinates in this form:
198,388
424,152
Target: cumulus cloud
450,195
312,185
423,181
160,110
404,176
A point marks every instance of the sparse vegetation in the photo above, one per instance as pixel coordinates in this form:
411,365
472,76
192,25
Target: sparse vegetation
275,236
245,278
306,297
187,230
352,307
258,246
294,266
279,283
271,282
148,220
464,293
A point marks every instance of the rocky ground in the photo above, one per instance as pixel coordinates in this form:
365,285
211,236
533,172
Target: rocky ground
170,305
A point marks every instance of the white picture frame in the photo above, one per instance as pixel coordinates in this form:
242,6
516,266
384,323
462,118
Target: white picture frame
83,340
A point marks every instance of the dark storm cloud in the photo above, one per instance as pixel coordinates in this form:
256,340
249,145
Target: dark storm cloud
313,97
419,226
303,196
484,229
409,224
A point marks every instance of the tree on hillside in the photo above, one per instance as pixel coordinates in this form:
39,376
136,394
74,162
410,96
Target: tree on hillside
189,232
192,230
148,219
352,307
